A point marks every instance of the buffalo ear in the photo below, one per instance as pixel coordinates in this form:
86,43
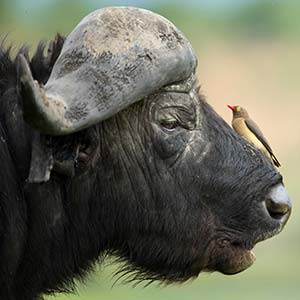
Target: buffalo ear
77,153
87,149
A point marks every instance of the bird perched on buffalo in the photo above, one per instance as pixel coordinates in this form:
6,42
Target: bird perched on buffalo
248,129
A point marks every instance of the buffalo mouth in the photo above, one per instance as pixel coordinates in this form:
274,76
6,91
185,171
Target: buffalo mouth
232,257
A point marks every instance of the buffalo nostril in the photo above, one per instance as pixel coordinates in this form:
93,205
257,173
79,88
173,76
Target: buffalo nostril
278,203
277,211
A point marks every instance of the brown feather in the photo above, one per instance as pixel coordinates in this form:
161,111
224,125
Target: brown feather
252,126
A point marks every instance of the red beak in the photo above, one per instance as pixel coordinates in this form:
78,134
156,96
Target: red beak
231,107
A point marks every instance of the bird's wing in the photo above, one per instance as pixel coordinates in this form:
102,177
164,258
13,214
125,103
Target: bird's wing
257,132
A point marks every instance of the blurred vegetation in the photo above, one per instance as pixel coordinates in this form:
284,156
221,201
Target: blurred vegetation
248,51
255,19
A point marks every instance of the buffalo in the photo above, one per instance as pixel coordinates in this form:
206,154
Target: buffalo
107,147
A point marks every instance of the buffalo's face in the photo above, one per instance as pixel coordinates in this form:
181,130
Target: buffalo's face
198,197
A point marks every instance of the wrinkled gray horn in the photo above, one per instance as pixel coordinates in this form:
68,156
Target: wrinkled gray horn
114,57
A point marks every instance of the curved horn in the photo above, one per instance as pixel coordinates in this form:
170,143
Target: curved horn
114,57
42,112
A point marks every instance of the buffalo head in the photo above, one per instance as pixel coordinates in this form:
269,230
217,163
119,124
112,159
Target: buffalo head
160,180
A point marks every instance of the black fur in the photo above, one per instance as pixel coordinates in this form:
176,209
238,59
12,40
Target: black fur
144,191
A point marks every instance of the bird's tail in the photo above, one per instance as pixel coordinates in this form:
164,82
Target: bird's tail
275,161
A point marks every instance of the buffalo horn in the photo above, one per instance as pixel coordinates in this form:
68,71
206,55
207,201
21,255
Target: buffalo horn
114,57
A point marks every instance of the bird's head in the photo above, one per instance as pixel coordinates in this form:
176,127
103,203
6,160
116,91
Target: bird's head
238,111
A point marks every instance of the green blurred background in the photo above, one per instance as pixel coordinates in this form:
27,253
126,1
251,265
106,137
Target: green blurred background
248,54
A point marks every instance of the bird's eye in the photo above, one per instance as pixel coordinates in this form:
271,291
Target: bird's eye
169,125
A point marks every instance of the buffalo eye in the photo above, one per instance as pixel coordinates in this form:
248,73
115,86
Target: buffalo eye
173,120
169,125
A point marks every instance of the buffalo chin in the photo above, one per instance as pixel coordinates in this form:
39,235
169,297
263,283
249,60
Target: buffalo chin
231,259
243,260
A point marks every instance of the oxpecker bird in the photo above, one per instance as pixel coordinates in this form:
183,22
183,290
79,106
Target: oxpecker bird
248,129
